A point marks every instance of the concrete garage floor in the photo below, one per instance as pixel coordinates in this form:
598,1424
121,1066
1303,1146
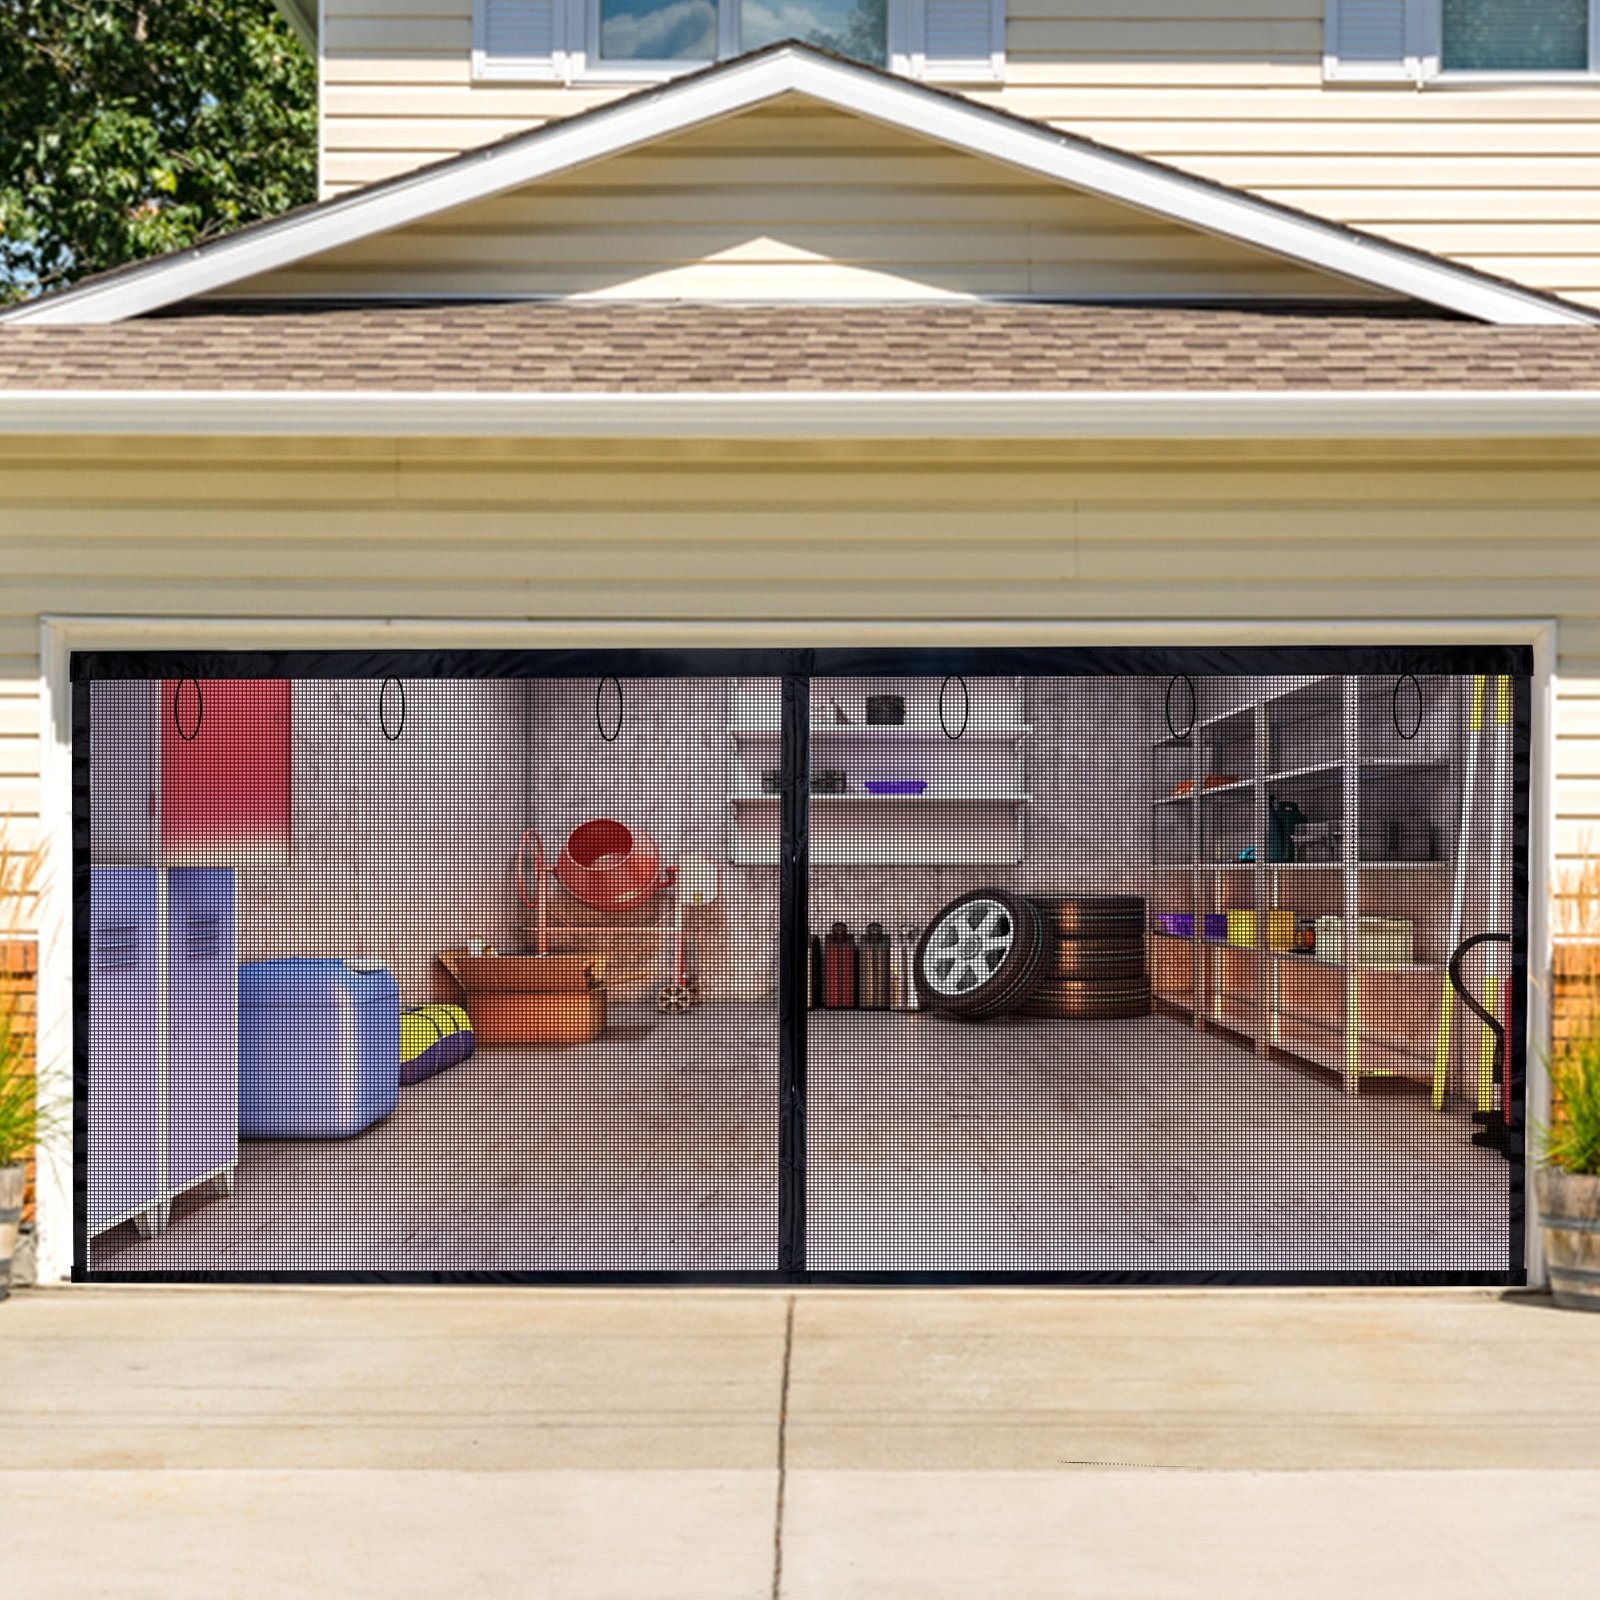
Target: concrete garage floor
827,1445
1134,1146
550,1160
1138,1146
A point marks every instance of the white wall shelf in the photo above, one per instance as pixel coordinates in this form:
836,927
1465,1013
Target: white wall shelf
971,814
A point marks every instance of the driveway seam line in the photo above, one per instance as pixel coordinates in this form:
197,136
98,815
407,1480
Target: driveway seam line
776,1592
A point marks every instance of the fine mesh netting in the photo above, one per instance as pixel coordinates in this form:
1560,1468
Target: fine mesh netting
1116,907
1115,973
502,1003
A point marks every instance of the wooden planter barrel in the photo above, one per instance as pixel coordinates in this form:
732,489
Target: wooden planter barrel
11,1182
1569,1216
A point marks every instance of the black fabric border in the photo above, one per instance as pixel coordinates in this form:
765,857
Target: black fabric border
795,668
794,935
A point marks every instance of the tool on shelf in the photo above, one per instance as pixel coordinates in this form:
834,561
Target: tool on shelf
1496,1129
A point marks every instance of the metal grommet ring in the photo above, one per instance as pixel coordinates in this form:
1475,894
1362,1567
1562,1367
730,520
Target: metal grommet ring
199,710
1194,706
383,709
1394,705
966,705
599,716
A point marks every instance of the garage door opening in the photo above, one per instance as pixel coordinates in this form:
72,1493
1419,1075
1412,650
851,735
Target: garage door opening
1010,966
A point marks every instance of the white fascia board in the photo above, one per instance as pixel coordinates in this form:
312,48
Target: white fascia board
1192,414
740,85
1229,214
301,15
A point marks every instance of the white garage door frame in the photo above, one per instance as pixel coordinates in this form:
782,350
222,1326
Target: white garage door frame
61,635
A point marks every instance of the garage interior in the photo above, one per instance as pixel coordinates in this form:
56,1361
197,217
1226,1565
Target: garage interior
1077,1001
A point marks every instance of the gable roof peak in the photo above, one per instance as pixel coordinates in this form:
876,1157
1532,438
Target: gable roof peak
746,82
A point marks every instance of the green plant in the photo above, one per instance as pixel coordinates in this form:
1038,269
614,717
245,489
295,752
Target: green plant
22,1122
19,1107
1571,1141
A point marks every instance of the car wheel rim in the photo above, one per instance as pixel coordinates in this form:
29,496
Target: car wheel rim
968,947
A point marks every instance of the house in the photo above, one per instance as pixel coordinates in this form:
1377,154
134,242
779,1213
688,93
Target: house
871,594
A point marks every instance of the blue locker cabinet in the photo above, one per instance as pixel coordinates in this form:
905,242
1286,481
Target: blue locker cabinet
163,1107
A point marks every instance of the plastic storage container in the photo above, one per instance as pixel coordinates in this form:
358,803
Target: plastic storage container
319,1048
1381,941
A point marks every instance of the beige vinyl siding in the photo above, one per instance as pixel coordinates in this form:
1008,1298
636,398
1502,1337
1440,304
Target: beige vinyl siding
740,534
1505,178
796,200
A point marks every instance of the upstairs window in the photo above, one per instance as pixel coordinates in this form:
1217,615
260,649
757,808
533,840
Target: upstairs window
643,31
1514,36
945,40
1460,40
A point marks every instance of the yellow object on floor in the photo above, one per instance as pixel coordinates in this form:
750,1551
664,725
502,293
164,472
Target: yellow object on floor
531,999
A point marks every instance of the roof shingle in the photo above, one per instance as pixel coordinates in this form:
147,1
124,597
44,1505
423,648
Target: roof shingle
617,347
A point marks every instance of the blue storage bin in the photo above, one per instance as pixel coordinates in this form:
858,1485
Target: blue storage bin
319,1048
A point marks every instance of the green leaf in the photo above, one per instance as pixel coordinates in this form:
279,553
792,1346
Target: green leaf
130,127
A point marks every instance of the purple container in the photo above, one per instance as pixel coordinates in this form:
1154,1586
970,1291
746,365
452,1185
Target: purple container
1179,924
1216,925
901,786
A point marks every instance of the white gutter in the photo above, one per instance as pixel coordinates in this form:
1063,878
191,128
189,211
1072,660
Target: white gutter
967,414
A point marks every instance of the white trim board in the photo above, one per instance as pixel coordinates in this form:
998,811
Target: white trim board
60,635
847,414
756,79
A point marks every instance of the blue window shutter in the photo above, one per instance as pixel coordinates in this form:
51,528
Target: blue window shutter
962,38
1372,39
517,37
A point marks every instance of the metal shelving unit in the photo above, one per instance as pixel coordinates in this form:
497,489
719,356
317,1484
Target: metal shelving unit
1324,744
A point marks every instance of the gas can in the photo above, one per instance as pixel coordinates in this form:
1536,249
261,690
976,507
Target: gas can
875,946
839,969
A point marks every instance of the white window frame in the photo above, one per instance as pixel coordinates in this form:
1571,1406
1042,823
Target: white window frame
577,59
1422,66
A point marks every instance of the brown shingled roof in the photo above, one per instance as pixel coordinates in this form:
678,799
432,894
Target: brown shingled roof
613,347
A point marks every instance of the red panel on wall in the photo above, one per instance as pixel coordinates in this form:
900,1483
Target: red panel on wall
225,782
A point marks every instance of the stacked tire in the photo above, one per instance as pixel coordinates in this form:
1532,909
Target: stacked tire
1095,965
1095,962
991,952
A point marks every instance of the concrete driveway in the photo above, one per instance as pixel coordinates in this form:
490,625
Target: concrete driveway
820,1445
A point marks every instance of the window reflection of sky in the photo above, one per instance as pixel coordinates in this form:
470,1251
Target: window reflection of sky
852,27
686,30
649,30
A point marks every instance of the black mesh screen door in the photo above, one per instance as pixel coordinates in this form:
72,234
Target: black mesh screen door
1055,965
425,966
1132,965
